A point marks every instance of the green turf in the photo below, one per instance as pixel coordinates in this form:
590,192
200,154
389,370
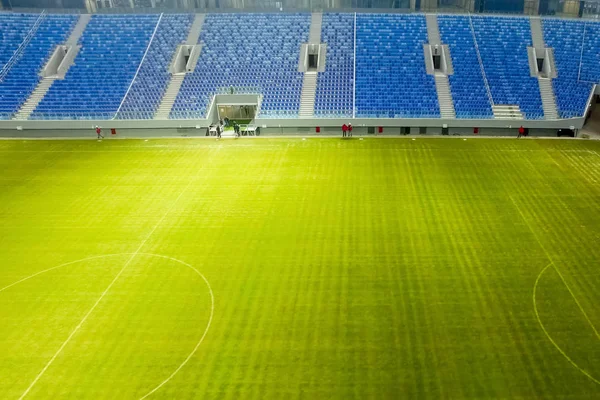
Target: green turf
376,268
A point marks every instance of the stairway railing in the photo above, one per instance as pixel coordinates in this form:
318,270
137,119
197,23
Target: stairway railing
485,81
21,49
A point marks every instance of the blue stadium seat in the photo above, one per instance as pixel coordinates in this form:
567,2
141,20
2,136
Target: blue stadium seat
149,87
565,37
466,84
254,53
13,30
112,49
590,58
335,86
391,80
502,43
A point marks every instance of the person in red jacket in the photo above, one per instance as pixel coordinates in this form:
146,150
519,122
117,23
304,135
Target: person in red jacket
99,132
521,132
350,130
344,130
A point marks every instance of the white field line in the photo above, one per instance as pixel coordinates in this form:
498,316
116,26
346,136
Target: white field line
212,310
537,316
85,317
589,321
210,291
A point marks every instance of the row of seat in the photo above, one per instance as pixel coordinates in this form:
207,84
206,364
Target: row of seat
566,38
390,72
149,87
112,50
23,77
502,43
258,48
258,53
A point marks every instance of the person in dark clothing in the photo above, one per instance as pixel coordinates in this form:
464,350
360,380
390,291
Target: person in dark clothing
344,130
226,120
218,131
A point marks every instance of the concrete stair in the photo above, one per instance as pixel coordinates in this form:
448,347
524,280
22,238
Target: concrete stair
507,111
195,29
82,22
168,99
34,99
548,99
316,22
433,29
444,96
166,104
537,36
307,98
45,83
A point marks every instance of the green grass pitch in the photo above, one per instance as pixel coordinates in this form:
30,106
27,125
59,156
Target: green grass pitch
357,269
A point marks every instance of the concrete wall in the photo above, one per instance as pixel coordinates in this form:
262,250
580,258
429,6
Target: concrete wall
291,125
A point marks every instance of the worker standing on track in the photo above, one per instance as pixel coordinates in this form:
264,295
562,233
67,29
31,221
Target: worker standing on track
99,132
344,130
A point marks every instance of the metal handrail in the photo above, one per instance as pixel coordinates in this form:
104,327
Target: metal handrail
21,49
485,81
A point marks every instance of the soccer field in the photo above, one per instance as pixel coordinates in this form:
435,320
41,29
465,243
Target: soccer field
289,269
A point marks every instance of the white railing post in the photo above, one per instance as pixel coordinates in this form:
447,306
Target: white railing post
581,54
139,66
354,71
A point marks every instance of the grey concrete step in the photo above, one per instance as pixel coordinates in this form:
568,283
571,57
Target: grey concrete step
82,22
195,29
433,29
507,111
316,22
548,99
537,36
444,96
307,98
166,104
34,99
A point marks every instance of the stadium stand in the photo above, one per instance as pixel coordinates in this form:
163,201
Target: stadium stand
391,80
590,58
566,38
255,53
152,80
335,86
502,43
259,53
112,49
467,85
13,30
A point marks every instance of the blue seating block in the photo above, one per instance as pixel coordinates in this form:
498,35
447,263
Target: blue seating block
565,37
112,49
335,86
502,43
391,80
149,87
254,53
466,84
590,58
23,77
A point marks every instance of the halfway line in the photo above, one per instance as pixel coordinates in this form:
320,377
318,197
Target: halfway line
60,349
